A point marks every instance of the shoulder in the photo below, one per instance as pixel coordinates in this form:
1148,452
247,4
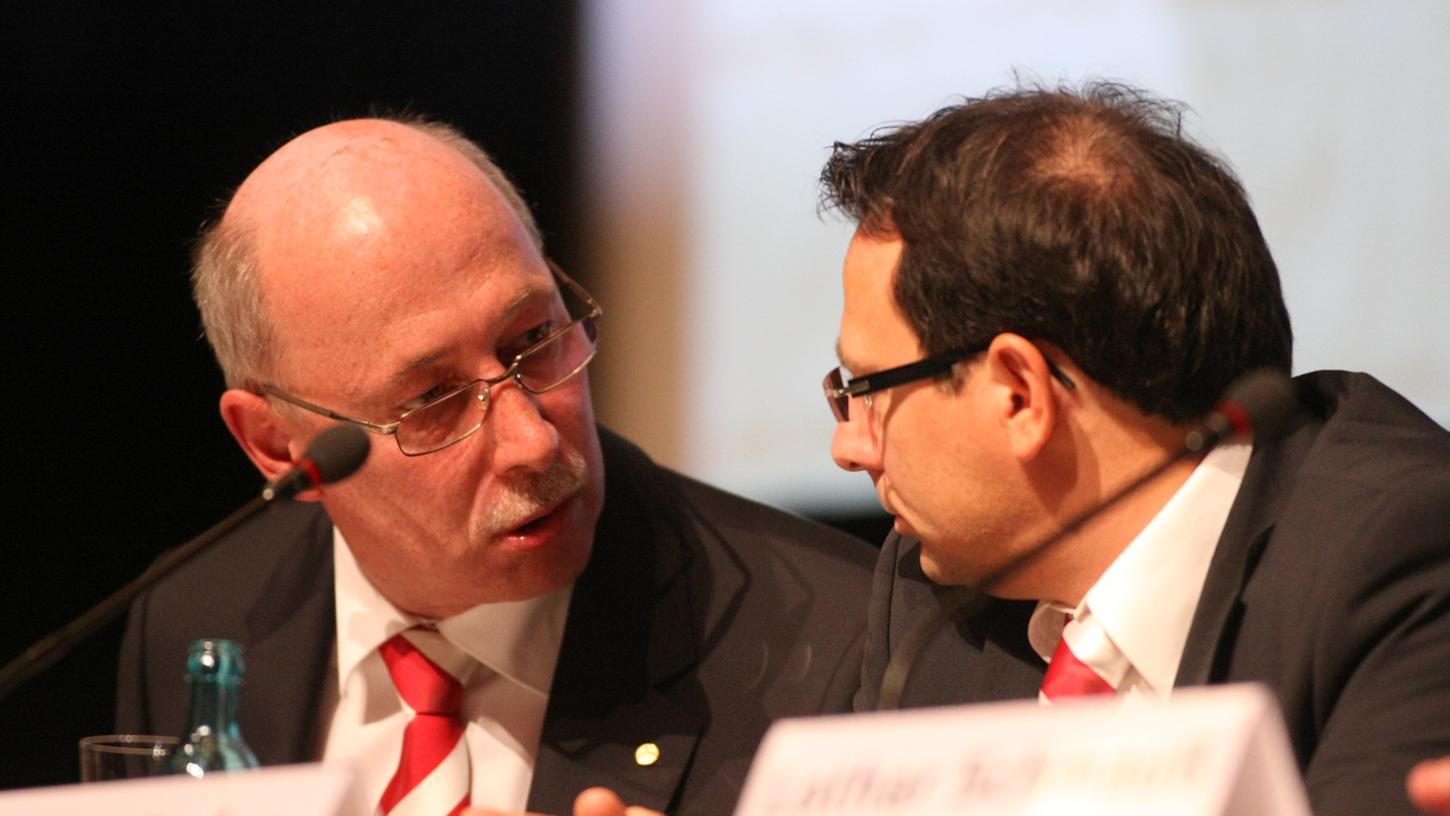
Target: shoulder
261,578
270,563
1369,470
248,561
1350,532
1370,434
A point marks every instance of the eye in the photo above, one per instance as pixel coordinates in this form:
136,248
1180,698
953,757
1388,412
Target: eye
528,339
428,396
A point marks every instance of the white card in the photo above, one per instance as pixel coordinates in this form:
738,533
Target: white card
1207,752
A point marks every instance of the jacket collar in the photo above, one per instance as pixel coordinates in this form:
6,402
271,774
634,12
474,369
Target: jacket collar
1267,487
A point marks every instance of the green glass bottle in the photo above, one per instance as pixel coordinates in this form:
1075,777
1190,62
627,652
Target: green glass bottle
214,742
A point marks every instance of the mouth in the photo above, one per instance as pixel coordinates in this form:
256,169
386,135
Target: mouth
539,529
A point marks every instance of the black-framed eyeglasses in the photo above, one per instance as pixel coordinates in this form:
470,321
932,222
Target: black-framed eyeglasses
446,420
840,391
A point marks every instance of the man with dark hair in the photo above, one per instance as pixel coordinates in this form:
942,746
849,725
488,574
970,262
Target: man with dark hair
507,604
1047,289
1083,222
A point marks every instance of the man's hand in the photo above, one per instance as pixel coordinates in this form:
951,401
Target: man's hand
604,802
1428,784
592,802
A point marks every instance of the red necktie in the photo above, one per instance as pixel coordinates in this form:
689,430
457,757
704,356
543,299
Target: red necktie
433,775
1068,676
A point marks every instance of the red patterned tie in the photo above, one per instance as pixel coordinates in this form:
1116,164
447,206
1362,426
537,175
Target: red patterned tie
433,775
1068,676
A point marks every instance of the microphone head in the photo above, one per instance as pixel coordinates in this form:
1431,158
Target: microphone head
337,453
1261,401
331,455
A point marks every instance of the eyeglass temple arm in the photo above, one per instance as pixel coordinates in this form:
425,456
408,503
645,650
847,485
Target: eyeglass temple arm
907,373
386,430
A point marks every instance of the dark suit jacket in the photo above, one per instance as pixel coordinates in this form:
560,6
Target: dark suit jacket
1330,585
700,618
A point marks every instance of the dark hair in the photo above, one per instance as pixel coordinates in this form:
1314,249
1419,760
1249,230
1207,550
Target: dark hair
1081,218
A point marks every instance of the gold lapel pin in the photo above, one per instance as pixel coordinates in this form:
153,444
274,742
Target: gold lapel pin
647,754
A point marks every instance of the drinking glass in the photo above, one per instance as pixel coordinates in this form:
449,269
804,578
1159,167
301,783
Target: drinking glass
124,756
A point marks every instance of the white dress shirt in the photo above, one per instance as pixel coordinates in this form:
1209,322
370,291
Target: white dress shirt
1144,601
503,701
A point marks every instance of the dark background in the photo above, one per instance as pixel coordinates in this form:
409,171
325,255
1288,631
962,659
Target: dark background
126,127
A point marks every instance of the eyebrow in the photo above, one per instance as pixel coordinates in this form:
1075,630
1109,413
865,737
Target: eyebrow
429,358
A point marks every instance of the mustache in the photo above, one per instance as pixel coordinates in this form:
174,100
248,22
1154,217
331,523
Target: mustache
536,492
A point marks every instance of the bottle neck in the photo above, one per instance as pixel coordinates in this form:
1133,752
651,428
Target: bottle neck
213,705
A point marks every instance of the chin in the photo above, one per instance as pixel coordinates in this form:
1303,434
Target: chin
948,571
933,567
537,574
516,567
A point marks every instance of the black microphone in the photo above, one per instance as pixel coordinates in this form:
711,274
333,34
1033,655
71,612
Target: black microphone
334,454
1260,402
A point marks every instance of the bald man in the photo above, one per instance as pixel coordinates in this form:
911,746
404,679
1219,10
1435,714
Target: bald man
584,616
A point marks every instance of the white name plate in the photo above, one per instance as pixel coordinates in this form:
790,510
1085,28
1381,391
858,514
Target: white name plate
296,790
1208,752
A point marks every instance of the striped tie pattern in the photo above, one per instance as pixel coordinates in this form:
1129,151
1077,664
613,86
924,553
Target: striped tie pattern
433,776
1084,663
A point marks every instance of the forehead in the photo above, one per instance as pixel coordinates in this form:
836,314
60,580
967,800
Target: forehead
378,343
391,259
874,333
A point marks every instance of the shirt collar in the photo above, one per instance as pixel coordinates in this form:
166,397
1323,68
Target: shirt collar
517,639
1145,599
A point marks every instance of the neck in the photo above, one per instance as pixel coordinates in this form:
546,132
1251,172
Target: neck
1087,554
1104,452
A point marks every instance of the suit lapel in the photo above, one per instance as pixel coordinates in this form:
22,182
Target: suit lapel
289,650
1247,532
622,680
1215,621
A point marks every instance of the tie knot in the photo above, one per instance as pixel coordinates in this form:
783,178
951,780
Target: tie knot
1085,662
422,681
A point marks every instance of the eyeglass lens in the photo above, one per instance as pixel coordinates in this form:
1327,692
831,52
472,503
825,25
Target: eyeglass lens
840,403
541,368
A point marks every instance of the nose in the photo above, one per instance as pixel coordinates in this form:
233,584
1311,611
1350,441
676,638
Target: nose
855,446
522,436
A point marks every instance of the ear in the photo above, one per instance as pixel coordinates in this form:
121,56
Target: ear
1029,408
272,444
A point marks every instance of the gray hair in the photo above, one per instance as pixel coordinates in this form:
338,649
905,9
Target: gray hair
225,285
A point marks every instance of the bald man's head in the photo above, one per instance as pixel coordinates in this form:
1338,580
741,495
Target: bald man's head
310,204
